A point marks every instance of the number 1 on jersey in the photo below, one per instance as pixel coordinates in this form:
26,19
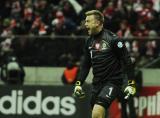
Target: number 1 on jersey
110,91
91,53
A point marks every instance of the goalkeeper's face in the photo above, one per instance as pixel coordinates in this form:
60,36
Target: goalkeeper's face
91,24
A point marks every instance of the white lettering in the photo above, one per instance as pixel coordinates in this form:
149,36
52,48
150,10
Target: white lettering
35,105
10,99
19,102
147,105
56,107
68,107
158,103
34,99
151,107
142,105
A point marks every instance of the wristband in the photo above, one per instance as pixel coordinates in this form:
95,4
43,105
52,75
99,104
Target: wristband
131,82
78,83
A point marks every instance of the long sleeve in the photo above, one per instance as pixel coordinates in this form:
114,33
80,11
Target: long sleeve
85,65
124,56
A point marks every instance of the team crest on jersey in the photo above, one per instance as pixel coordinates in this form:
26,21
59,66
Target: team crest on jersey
104,45
97,46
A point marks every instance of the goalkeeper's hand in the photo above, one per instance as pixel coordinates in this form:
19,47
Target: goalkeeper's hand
130,89
78,92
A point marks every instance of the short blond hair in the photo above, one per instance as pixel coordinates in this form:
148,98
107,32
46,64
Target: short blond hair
98,15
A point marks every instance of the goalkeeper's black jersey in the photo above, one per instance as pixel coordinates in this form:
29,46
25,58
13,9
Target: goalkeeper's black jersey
108,57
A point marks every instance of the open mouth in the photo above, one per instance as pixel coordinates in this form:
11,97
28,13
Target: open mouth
87,28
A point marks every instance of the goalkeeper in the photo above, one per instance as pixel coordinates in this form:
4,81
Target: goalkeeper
111,62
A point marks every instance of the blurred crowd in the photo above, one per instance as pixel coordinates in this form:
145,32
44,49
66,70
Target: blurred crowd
42,17
128,18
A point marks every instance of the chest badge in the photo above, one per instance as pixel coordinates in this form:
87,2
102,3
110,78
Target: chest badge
97,46
104,46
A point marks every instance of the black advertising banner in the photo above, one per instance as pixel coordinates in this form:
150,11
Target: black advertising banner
42,102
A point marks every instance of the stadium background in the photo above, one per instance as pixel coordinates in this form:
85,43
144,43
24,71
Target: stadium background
45,34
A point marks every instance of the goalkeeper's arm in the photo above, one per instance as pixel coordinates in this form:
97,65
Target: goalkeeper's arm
85,65
123,54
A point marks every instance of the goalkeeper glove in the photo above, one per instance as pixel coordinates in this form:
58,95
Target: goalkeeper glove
130,89
78,92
